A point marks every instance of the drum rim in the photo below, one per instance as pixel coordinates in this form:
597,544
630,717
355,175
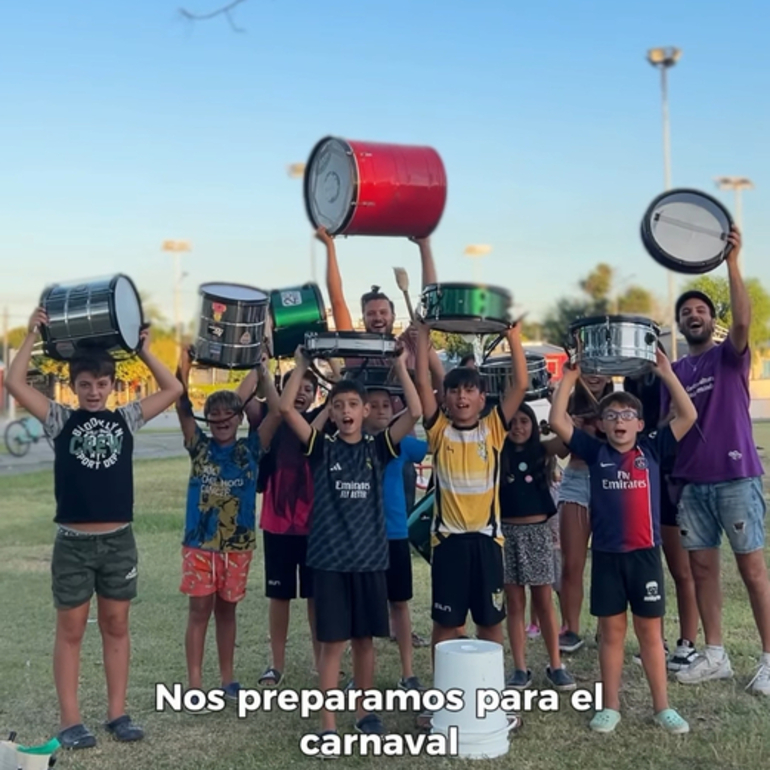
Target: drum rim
355,190
349,334
465,286
613,319
670,261
257,302
435,323
114,318
314,287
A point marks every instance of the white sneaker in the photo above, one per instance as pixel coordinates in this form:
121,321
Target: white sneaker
705,667
760,684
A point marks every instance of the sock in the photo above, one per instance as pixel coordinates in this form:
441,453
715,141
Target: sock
766,658
716,651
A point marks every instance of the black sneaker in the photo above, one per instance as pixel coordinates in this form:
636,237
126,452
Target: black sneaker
683,656
322,735
560,678
569,641
371,724
519,680
410,683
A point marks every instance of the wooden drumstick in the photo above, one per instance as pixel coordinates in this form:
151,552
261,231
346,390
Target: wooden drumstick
402,279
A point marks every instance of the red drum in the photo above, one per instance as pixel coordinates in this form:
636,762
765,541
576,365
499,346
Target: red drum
364,188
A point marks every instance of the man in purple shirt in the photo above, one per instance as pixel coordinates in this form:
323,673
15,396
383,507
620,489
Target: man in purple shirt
720,473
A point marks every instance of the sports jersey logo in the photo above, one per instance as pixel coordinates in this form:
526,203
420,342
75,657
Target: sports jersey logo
653,594
482,450
640,463
335,467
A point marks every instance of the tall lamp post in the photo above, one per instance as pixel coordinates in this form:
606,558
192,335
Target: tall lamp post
664,59
297,171
737,184
475,252
176,249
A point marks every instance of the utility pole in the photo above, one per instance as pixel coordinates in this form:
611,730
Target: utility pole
737,184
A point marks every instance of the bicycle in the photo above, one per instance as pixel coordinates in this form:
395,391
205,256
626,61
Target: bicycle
22,433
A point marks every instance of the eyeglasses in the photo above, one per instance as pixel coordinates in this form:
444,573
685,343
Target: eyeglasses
626,415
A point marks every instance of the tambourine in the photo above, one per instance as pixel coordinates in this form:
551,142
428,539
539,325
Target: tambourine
686,231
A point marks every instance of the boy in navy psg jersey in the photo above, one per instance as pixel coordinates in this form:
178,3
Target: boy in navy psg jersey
626,565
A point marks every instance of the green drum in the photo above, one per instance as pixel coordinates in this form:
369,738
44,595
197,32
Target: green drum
466,308
295,312
418,525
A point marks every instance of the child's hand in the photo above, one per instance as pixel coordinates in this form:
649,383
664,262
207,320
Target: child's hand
662,365
401,356
300,357
324,236
38,318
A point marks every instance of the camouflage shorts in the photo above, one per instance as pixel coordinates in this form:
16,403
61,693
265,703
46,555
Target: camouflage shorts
84,563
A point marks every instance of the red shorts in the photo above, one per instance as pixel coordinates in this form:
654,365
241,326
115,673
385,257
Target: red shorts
212,572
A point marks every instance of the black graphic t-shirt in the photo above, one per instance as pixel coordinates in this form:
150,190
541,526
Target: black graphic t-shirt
93,472
524,487
347,523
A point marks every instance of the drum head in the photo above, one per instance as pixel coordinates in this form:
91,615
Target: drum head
128,312
686,231
330,185
233,292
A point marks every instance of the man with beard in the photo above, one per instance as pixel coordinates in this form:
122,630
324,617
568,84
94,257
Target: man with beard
379,313
720,473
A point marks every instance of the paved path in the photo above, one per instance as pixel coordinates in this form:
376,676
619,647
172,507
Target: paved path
159,438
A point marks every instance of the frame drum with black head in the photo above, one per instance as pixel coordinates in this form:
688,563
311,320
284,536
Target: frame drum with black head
465,308
686,231
232,326
614,345
497,374
102,313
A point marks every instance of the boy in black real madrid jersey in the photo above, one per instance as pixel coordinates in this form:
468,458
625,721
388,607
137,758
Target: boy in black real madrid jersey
94,549
626,565
348,546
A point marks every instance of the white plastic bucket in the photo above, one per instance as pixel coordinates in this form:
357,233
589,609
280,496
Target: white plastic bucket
470,665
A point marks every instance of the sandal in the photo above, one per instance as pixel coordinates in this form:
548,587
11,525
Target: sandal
77,737
271,678
605,721
124,730
670,721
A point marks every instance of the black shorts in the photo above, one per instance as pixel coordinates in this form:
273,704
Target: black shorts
350,605
467,575
399,574
284,558
622,579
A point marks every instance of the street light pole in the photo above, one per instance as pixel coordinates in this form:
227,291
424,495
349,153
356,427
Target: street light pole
476,252
297,171
664,59
737,184
177,248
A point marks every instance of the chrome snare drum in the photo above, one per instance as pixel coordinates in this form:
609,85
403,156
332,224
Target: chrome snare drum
497,372
103,313
615,345
350,345
232,326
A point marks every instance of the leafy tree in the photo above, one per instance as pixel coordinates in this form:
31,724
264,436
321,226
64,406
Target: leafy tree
718,289
597,285
16,336
636,300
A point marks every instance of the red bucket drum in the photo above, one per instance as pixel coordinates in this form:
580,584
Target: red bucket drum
368,188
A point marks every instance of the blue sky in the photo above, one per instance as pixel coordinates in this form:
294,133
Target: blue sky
124,125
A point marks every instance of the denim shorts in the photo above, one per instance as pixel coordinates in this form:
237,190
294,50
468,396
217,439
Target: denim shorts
575,486
736,508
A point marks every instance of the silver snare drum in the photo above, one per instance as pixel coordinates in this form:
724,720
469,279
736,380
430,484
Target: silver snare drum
350,345
232,326
103,313
615,345
497,373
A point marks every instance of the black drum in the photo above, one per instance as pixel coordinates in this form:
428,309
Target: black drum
102,313
686,231
232,326
375,378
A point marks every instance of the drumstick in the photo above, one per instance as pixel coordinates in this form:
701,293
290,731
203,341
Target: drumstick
402,280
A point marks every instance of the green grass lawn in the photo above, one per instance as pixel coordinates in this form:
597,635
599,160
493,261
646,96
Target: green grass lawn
730,728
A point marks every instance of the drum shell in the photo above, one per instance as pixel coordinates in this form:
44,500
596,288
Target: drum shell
220,341
615,346
290,323
82,315
419,525
397,190
466,308
350,344
497,372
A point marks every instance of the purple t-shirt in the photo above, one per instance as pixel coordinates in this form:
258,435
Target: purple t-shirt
720,446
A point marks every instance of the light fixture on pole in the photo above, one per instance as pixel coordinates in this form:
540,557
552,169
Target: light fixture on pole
297,171
737,184
475,252
176,249
664,59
